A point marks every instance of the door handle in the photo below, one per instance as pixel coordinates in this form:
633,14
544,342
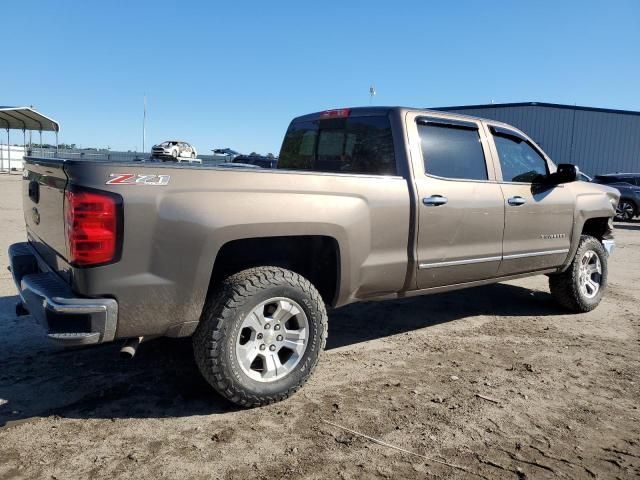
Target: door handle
516,201
434,200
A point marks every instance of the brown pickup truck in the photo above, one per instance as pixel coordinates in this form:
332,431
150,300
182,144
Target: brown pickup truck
365,204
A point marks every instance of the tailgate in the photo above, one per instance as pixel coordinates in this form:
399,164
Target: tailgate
44,182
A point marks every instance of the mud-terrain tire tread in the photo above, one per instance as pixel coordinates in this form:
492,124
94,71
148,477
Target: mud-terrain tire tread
565,287
220,310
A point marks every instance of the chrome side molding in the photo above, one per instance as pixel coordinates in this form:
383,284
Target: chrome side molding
469,261
535,254
460,262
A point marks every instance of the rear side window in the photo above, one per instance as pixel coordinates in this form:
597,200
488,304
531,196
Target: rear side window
518,160
343,145
452,151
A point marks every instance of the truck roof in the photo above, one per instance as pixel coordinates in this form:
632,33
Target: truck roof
382,110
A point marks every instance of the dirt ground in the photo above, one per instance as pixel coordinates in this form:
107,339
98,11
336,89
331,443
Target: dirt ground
496,382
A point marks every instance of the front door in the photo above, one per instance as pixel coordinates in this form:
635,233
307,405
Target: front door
461,207
538,217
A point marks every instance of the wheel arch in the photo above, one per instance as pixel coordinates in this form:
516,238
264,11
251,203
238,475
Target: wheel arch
594,212
315,257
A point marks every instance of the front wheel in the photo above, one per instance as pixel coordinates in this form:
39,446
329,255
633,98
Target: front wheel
625,211
261,335
580,288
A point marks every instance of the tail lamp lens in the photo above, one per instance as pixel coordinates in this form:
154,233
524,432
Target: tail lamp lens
91,224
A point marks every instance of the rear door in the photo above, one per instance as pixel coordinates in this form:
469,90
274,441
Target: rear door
538,218
461,207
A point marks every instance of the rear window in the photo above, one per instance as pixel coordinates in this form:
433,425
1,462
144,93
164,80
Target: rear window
343,145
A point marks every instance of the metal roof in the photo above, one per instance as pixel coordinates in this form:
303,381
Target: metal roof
537,104
25,118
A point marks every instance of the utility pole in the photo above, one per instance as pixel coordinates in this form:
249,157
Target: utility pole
144,124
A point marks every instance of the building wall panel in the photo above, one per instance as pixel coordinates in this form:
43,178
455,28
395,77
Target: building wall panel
596,141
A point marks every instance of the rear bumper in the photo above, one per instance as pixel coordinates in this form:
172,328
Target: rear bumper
609,245
68,320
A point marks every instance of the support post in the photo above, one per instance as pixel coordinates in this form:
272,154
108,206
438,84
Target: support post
1,157
41,149
8,152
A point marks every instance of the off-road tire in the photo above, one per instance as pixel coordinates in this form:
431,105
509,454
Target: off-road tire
216,335
565,287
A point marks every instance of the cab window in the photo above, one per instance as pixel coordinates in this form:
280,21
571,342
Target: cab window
452,150
519,161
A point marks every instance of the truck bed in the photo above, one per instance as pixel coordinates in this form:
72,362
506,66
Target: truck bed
177,217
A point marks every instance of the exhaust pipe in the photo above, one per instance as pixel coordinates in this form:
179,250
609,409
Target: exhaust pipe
130,347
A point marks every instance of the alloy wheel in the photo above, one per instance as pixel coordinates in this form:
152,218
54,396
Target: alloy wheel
590,274
624,211
272,339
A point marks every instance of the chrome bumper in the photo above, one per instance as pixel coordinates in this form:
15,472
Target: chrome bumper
609,246
67,319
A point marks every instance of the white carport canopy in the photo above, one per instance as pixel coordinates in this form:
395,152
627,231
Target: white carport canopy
24,118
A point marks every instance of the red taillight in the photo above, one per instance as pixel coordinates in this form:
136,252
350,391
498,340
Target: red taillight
337,113
91,227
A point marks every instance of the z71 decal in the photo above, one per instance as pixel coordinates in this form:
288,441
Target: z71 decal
133,179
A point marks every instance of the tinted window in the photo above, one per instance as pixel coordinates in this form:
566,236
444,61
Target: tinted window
605,180
519,161
351,145
613,180
452,152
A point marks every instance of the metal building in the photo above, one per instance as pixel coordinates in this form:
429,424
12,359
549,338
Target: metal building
598,140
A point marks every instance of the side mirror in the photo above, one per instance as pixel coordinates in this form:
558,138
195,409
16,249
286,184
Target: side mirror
566,173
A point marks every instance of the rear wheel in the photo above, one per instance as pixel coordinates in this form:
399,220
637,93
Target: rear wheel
261,335
580,288
625,211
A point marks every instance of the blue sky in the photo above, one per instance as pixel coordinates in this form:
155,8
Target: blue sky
233,74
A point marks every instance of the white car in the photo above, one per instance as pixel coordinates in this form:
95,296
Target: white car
173,150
